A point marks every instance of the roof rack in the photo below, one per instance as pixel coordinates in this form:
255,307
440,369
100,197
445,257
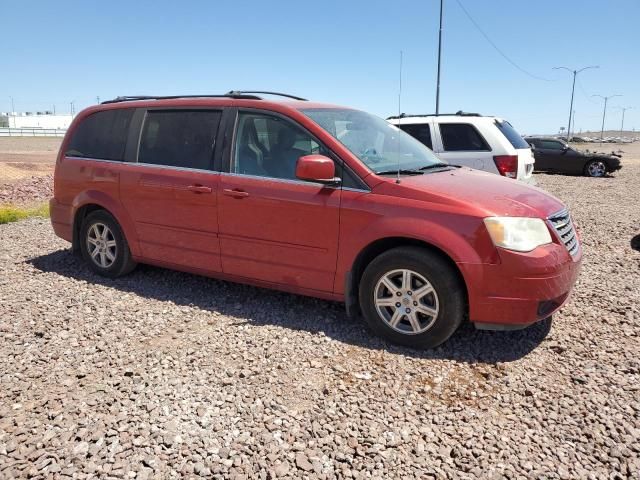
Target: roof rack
459,113
130,98
245,92
231,94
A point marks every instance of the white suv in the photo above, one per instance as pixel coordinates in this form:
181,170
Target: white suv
484,143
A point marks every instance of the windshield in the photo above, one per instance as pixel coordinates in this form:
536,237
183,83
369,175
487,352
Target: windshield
512,134
381,146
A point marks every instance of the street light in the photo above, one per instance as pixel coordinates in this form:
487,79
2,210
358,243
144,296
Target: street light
573,88
604,112
439,55
624,109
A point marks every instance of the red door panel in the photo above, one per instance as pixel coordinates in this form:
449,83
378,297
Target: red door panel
175,214
279,231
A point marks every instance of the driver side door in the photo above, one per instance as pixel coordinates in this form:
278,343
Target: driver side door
273,226
549,155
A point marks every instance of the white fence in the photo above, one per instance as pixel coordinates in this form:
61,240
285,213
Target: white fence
32,132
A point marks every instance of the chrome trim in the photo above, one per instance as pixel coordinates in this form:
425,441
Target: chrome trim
119,162
349,189
565,231
151,165
282,180
171,167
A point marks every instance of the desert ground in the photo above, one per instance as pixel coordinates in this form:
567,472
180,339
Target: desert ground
162,374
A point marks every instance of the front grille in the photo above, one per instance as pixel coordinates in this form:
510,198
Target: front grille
564,226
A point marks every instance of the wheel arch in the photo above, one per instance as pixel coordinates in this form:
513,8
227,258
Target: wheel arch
376,248
92,201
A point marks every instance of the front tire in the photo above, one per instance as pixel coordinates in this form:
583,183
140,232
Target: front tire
104,246
412,297
595,168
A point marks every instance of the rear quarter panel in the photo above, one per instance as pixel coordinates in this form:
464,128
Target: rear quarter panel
81,182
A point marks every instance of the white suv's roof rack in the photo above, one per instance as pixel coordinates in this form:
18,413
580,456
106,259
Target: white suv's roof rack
459,113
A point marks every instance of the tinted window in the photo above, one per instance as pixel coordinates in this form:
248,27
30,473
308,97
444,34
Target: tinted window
551,145
462,137
512,135
179,138
269,146
102,135
419,132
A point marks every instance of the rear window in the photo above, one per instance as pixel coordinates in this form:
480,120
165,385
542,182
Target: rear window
419,132
102,135
512,134
462,137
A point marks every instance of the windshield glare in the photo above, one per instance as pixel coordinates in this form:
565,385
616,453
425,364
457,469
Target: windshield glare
378,144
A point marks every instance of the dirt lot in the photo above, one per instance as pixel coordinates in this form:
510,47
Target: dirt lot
23,157
169,375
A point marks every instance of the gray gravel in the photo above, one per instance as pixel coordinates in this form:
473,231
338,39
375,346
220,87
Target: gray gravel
168,375
26,191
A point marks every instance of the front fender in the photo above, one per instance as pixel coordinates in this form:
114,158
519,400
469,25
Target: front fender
462,238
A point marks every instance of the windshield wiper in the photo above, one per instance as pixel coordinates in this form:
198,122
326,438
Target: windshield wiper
437,165
402,171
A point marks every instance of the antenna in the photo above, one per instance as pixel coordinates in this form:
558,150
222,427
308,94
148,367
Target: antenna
399,117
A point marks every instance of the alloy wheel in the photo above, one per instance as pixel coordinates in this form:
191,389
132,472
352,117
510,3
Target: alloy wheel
597,169
406,301
101,245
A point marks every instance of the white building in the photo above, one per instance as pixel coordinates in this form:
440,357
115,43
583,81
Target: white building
37,120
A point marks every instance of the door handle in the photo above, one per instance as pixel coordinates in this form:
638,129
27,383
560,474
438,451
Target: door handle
199,189
235,193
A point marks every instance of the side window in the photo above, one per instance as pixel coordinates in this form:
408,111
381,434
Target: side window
102,135
179,138
462,137
551,145
268,146
419,132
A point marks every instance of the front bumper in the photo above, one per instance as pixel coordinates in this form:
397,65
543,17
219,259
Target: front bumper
522,288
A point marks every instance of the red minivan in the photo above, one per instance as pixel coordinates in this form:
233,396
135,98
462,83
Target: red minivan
314,199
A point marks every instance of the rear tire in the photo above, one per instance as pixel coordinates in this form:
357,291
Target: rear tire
412,297
595,168
104,246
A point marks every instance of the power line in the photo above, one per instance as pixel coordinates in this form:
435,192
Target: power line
497,49
584,92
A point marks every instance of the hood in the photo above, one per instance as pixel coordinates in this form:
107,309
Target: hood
487,193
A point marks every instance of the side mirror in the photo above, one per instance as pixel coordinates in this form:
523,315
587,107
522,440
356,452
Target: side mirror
317,168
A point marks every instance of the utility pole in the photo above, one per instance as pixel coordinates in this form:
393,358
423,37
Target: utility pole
98,99
624,109
439,55
13,108
573,89
604,112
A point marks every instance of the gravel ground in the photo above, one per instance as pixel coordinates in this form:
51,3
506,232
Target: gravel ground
169,375
26,191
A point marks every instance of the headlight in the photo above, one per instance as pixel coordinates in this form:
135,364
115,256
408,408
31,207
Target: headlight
521,234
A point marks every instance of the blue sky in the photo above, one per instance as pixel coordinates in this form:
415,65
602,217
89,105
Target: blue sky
344,52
